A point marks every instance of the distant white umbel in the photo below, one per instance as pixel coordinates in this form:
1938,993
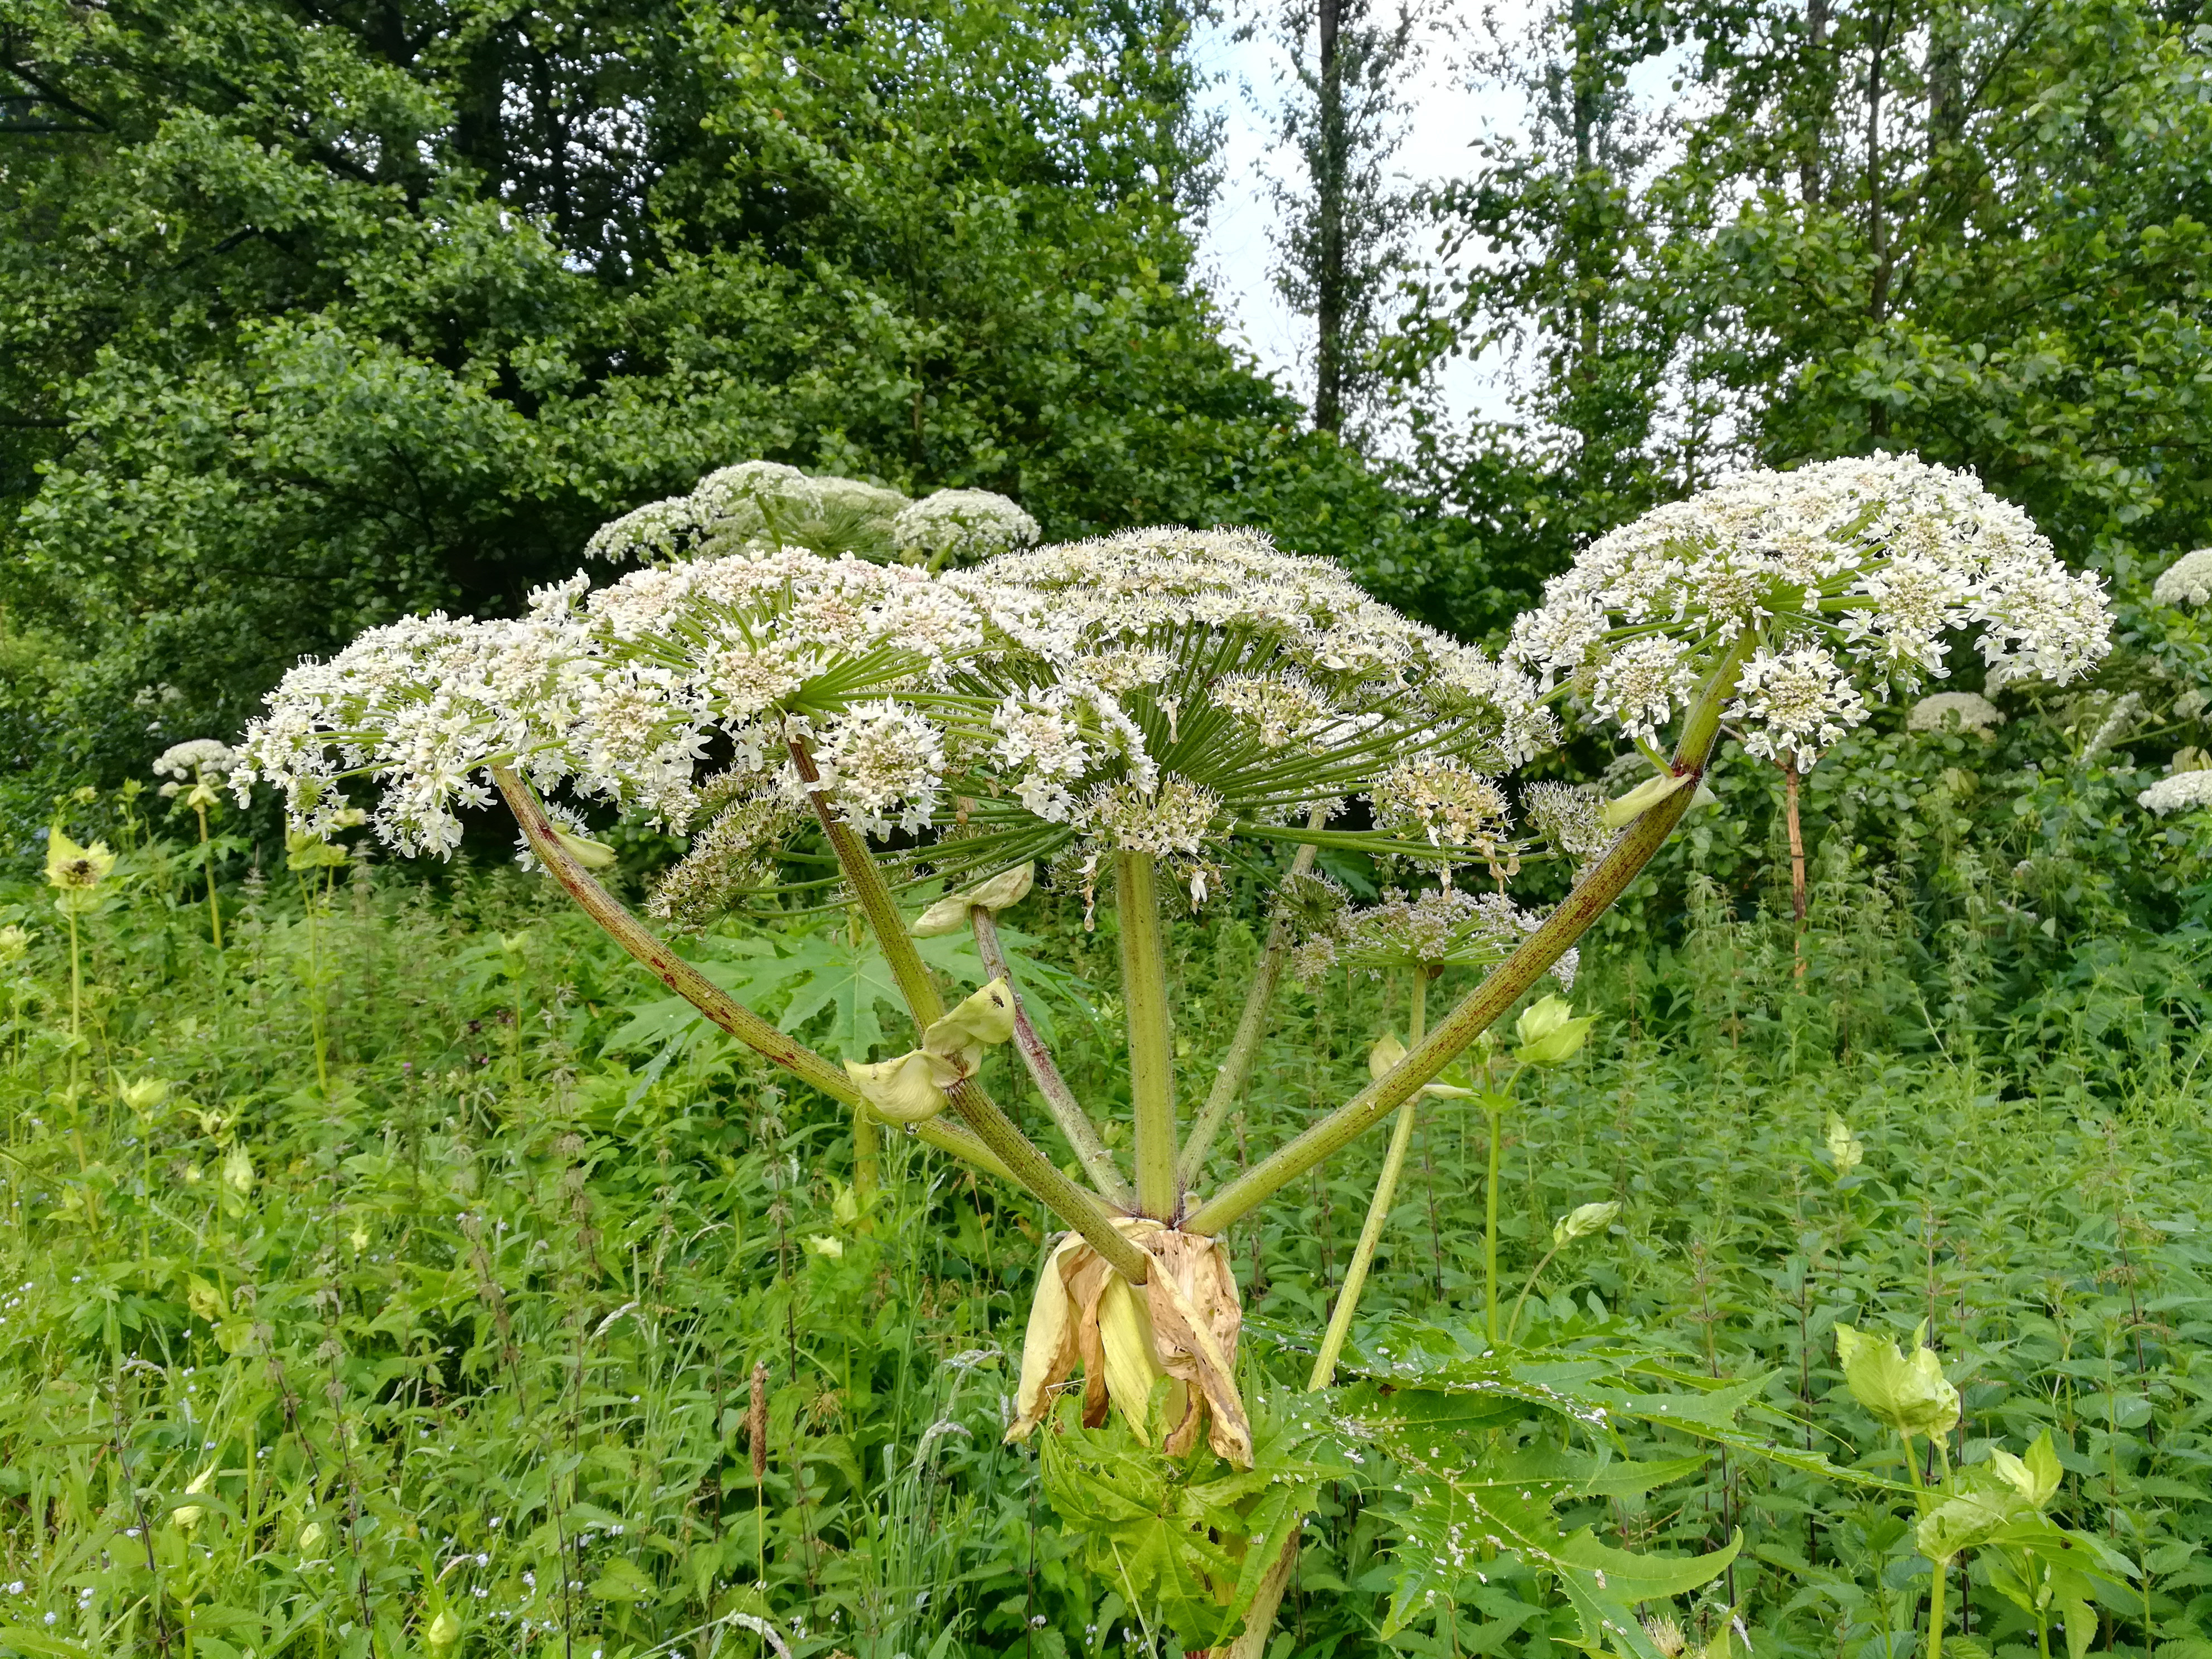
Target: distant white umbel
1847,575
2182,793
2187,581
1969,710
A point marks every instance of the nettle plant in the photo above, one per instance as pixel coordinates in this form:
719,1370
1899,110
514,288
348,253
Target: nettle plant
1136,717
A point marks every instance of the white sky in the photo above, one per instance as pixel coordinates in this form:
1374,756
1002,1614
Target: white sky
1449,111
1236,250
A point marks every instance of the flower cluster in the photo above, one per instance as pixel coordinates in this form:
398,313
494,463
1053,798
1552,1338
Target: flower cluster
766,504
1849,570
621,693
959,526
1566,815
2184,792
194,759
1268,683
1444,802
1446,928
2187,581
1971,710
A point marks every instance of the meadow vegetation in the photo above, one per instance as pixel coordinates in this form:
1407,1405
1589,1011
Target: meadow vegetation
470,1330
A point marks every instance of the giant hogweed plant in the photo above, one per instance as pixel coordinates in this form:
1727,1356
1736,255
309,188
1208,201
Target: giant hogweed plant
1140,715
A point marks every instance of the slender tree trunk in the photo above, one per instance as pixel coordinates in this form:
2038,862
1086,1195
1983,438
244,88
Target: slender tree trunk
1877,219
1331,278
1816,44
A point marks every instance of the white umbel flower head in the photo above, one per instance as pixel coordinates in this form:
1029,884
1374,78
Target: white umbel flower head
2187,581
1268,682
1847,574
196,760
960,527
2184,792
1164,692
620,692
1437,929
1971,710
762,502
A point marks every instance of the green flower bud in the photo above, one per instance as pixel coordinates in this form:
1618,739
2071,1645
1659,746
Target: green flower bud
592,854
445,1631
949,914
1626,808
1910,1395
1583,1220
1549,1035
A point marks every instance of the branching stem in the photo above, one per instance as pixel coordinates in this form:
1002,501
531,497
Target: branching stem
1481,1007
1023,1162
1082,1136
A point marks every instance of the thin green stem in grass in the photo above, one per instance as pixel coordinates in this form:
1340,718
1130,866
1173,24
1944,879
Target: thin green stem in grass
207,864
1591,898
1496,1116
1082,1136
1236,1068
1151,1050
1378,1210
1513,1320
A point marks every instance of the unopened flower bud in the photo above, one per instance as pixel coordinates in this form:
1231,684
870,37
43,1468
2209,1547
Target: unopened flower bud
1910,1395
592,854
949,914
1583,1220
1549,1035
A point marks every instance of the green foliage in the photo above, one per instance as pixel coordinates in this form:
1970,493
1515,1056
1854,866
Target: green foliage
315,317
502,1269
1167,1532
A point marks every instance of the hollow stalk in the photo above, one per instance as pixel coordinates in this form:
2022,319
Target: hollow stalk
1378,1209
1592,897
1151,1053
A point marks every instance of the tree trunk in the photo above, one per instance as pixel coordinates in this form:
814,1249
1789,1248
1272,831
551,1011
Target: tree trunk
1331,278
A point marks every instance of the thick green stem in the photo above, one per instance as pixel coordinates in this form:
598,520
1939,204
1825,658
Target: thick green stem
1023,1162
1082,1136
694,986
1935,1588
1236,1068
1592,897
875,901
1378,1213
1151,1051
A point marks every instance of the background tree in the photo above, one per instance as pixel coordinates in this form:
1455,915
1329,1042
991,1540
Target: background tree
1972,231
317,313
1342,243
